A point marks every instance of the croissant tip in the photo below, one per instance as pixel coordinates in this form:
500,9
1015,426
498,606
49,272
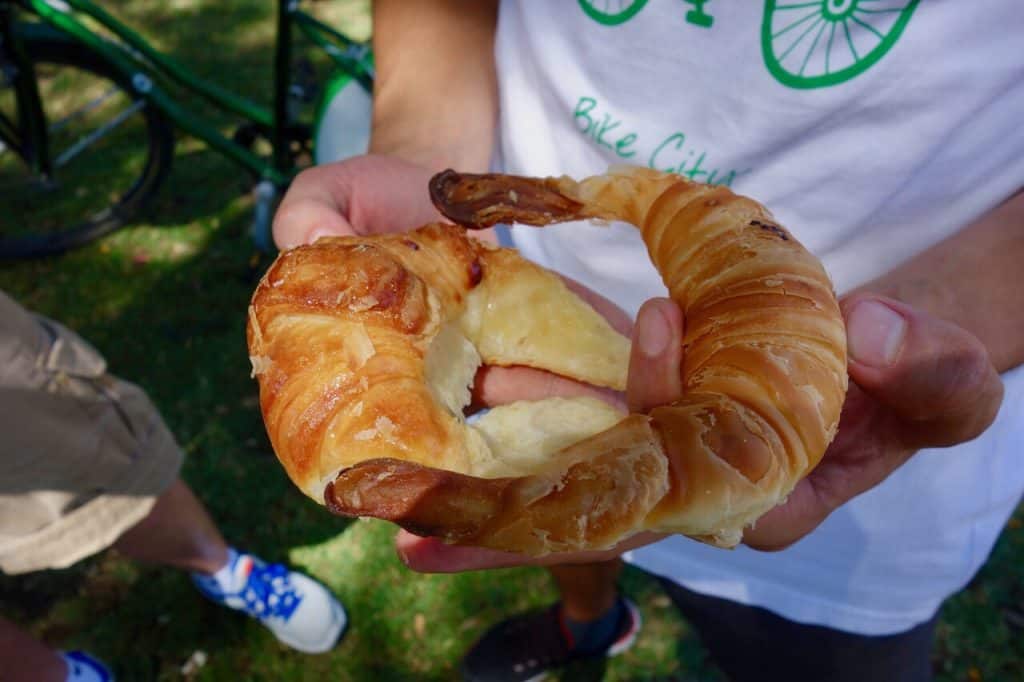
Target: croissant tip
440,188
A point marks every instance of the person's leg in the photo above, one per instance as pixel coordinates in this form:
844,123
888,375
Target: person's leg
25,658
752,644
591,620
98,467
588,590
177,532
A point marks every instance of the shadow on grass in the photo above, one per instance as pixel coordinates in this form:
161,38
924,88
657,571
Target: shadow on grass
166,304
177,328
199,185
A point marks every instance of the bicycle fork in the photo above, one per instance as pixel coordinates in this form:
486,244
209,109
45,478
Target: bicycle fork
263,213
28,136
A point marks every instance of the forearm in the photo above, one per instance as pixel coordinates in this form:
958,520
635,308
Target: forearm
973,280
435,94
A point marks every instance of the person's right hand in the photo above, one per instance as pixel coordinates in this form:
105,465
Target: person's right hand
363,195
377,193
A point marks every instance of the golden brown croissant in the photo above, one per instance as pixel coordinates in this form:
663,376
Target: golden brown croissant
364,348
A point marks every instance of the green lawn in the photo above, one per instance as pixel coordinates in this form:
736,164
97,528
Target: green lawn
166,302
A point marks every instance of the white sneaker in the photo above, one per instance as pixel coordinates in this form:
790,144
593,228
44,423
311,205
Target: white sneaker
300,612
84,668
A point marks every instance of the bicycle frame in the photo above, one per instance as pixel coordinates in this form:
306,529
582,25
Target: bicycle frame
150,71
30,141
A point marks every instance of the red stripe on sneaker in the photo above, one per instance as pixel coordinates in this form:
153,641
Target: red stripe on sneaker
626,640
566,632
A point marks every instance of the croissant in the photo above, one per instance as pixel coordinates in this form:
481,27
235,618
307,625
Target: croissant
365,348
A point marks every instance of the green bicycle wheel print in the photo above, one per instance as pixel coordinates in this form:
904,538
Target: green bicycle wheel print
823,43
612,12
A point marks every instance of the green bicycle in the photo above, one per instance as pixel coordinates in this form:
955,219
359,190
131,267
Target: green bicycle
77,104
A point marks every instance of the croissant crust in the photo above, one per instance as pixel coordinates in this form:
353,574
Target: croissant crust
364,348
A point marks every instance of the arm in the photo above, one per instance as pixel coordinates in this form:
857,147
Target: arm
435,105
436,95
970,279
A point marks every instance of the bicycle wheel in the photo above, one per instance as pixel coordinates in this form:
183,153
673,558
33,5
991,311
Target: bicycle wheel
823,43
342,125
612,12
109,150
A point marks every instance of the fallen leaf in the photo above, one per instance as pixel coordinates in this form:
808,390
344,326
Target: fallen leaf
419,624
196,661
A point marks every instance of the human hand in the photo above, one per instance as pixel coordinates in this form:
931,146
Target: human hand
917,381
377,193
367,194
656,338
494,385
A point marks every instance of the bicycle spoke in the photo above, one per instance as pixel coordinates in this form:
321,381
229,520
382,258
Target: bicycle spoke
868,27
828,49
810,52
611,12
789,27
83,110
21,183
100,132
849,42
10,132
815,44
800,39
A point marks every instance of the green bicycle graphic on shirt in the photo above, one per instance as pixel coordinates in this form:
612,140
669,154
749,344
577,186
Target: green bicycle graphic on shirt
805,44
615,12
823,43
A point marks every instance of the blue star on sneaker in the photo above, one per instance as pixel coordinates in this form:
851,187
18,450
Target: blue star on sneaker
84,668
299,611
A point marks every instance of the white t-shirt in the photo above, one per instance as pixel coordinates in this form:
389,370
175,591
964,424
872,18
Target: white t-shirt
871,129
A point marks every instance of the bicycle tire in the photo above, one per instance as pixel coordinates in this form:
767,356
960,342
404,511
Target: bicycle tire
821,44
609,16
159,140
341,127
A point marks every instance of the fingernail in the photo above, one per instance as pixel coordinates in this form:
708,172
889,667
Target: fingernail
316,234
874,333
654,334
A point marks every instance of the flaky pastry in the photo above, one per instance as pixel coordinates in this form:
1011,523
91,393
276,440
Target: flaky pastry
365,348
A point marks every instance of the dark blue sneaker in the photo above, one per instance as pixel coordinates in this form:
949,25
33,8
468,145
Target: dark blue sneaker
527,647
300,612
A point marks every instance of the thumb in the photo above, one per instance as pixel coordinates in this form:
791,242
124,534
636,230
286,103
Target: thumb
934,376
431,555
313,207
656,356
367,194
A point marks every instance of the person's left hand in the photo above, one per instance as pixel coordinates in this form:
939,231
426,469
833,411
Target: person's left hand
917,381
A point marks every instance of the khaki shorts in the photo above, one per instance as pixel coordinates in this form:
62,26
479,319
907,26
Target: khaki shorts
83,455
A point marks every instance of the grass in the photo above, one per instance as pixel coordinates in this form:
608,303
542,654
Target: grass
165,301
